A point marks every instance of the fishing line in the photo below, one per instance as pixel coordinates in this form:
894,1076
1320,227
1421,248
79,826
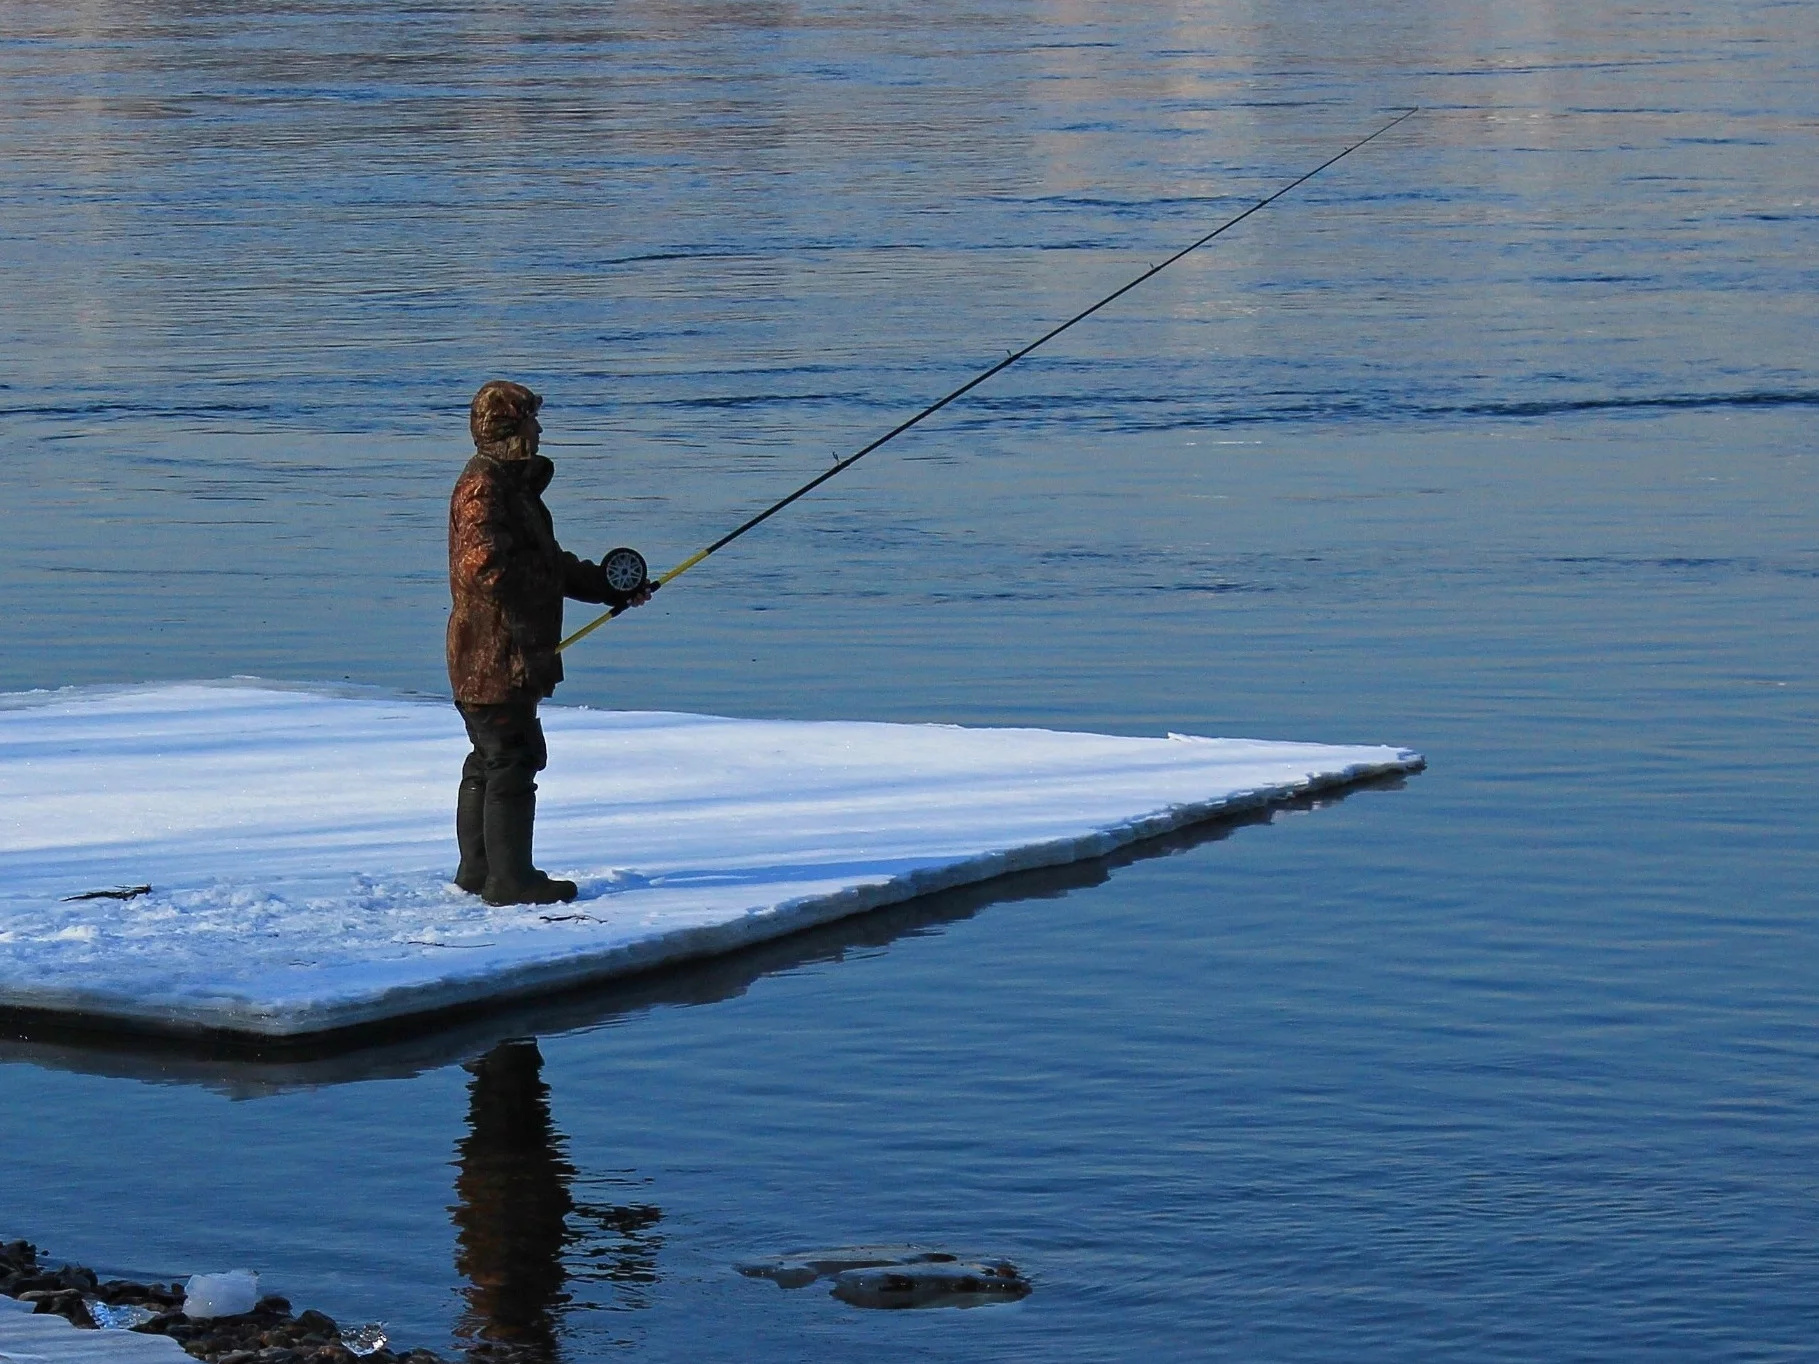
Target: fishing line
622,567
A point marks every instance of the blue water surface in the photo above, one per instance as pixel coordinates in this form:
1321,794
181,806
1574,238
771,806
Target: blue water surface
1496,441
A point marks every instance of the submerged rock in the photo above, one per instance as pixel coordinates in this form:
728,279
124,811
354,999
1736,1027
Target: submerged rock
896,1276
961,1284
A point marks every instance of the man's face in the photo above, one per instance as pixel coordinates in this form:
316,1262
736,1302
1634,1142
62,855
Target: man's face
530,429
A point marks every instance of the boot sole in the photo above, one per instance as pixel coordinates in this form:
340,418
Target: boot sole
549,893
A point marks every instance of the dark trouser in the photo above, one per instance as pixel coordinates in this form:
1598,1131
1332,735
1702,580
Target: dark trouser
509,750
498,799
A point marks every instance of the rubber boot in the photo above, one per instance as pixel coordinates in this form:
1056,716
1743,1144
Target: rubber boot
470,836
511,878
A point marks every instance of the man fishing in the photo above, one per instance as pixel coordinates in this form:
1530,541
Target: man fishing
508,576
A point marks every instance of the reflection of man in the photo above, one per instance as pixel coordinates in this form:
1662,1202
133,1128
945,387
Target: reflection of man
508,577
513,1187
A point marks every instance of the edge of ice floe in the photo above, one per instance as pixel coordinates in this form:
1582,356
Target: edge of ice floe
572,964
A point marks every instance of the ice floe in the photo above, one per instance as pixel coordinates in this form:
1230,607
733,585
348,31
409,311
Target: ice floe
297,841
45,1338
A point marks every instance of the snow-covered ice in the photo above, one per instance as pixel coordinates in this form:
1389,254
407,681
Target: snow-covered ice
48,1339
298,841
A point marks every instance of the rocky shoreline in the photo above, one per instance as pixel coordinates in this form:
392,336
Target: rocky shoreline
269,1334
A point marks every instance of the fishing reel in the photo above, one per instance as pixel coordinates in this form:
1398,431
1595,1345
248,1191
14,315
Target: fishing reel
625,570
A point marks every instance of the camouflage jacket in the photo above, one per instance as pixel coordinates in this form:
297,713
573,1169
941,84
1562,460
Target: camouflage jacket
508,577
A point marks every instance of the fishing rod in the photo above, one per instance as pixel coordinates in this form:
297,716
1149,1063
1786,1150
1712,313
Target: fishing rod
626,569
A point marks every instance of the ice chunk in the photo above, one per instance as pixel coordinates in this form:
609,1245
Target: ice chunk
121,1318
226,1294
287,899
365,1340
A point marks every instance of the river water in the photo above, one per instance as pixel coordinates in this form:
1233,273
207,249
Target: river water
1496,441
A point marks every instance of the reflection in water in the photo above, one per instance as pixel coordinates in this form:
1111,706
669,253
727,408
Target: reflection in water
516,1216
511,1217
614,1244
